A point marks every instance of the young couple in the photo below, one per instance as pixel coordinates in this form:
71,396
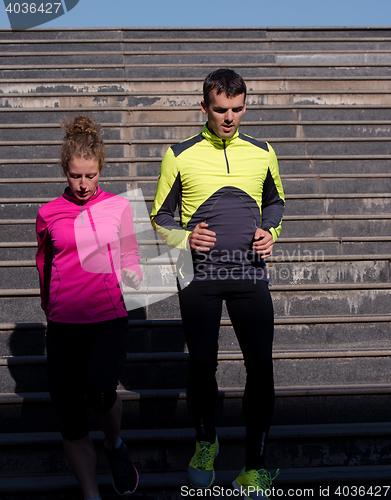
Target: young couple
227,188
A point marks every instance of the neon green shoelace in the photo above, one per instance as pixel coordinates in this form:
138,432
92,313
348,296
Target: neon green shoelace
204,456
264,480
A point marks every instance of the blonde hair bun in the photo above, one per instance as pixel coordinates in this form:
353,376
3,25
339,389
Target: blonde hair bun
82,140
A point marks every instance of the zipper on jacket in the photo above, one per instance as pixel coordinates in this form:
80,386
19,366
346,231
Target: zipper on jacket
82,215
225,154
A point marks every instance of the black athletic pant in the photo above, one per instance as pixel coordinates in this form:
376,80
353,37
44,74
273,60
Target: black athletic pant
84,362
251,311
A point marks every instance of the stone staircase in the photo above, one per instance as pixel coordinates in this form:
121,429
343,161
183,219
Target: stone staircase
322,99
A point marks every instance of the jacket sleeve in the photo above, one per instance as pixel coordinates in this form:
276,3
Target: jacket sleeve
130,255
44,259
273,200
167,199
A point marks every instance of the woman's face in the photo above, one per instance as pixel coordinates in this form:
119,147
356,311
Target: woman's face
83,177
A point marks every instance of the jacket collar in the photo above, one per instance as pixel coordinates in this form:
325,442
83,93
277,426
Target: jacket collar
217,141
67,194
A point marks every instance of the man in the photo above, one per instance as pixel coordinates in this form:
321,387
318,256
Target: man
230,199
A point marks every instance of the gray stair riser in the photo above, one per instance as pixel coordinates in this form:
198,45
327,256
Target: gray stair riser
151,169
165,375
50,152
297,337
55,116
338,302
190,86
124,35
316,250
321,248
293,148
184,114
52,189
291,186
286,304
165,46
338,228
174,100
173,413
170,456
336,186
154,150
279,273
177,133
330,409
292,229
292,166
337,206
27,253
331,68
75,46
51,134
75,58
106,73
344,336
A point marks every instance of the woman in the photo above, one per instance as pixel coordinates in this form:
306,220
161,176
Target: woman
86,245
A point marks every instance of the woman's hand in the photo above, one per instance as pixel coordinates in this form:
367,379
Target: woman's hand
131,278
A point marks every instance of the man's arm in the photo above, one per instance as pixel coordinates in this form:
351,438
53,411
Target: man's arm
167,196
273,200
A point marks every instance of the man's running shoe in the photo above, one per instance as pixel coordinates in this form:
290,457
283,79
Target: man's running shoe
201,472
254,484
125,476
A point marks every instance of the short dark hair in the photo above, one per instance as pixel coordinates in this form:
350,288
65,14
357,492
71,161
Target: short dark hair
225,81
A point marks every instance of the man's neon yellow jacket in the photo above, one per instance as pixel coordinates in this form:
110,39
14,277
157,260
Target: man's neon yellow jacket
232,184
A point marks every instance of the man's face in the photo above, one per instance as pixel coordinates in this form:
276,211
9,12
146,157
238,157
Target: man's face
224,113
83,177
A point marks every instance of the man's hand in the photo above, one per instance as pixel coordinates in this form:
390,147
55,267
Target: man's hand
131,278
263,243
201,238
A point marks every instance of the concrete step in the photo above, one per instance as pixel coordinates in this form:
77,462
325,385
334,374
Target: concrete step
155,114
327,165
320,482
180,131
162,371
317,247
188,85
169,450
359,204
367,332
289,301
294,184
317,226
178,43
284,269
151,409
280,67
121,99
155,148
198,34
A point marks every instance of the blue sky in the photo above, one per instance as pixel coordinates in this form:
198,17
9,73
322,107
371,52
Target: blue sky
260,13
